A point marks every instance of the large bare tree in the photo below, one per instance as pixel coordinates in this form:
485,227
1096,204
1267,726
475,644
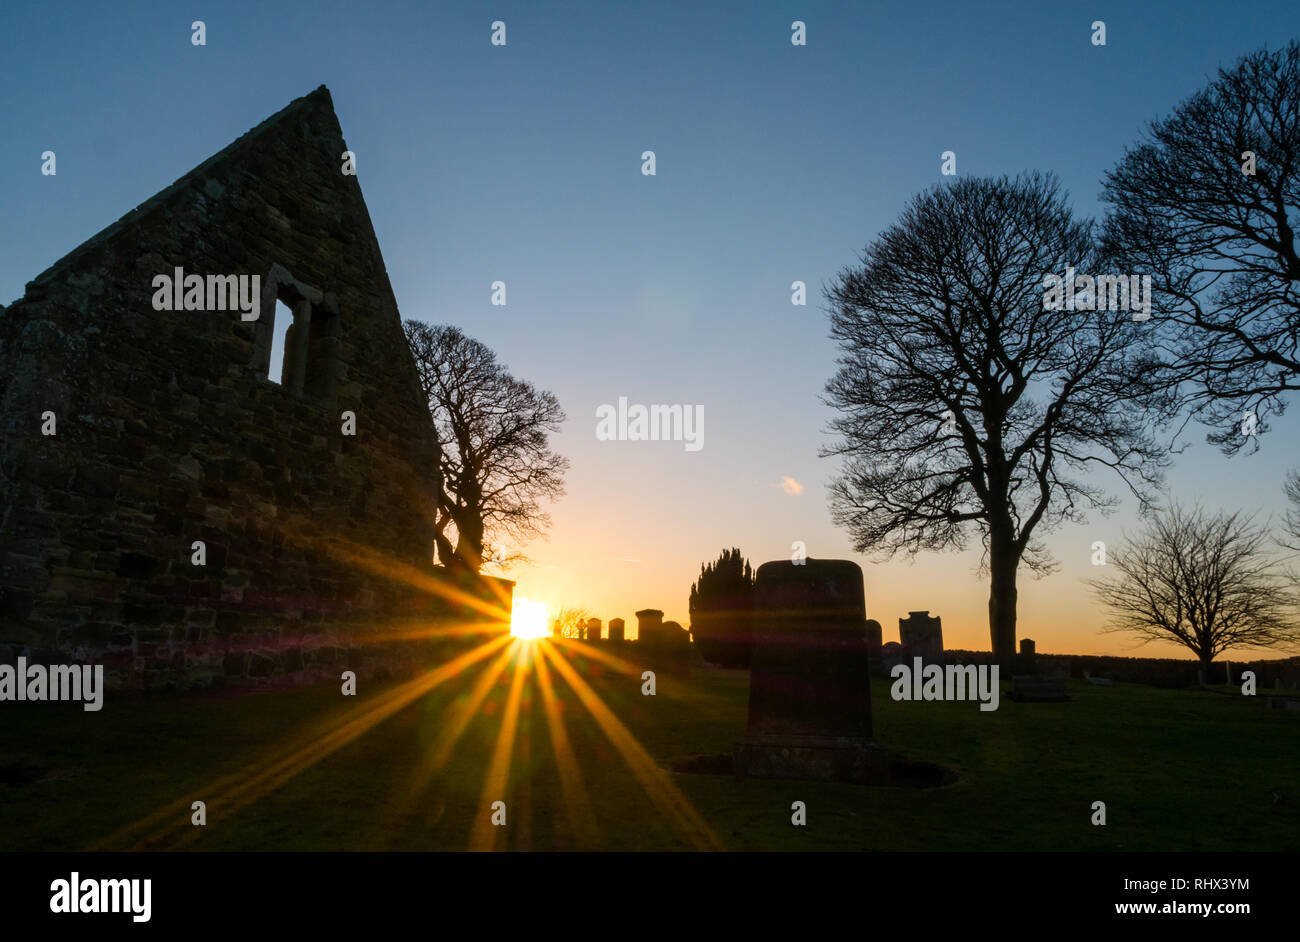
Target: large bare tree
1292,490
1207,582
1208,204
1291,522
496,463
968,406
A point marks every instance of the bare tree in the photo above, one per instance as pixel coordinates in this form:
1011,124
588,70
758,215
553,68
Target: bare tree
1206,582
1291,488
570,621
496,463
1291,524
1208,205
966,404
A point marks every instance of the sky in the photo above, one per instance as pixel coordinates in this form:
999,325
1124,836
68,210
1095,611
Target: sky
522,163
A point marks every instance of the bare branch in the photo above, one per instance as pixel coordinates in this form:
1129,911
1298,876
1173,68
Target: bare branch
967,406
496,467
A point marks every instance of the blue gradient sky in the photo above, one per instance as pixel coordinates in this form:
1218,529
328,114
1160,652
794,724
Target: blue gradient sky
522,163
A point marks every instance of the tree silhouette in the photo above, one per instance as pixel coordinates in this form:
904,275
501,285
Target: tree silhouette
1206,582
1292,490
570,621
1219,243
496,463
1291,522
964,403
722,610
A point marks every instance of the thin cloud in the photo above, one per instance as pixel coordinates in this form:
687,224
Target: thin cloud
790,485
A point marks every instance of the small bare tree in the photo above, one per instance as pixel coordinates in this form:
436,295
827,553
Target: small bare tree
570,621
496,463
1206,582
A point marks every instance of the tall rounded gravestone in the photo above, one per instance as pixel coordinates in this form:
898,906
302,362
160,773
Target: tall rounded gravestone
809,690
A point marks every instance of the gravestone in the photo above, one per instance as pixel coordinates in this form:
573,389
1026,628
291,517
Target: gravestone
809,693
593,629
891,653
1037,689
616,629
875,635
649,624
921,635
666,646
1027,656
675,643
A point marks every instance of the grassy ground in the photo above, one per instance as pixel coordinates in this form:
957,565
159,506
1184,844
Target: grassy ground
1178,770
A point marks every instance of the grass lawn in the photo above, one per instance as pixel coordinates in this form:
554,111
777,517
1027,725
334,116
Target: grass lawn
307,769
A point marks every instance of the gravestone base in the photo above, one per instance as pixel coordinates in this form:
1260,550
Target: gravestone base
666,661
822,758
1035,689
809,683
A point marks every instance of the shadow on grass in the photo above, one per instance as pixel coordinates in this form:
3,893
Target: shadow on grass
1177,770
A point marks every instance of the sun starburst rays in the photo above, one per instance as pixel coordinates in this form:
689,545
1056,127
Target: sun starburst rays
533,671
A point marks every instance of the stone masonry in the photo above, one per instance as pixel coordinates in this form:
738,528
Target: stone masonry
169,431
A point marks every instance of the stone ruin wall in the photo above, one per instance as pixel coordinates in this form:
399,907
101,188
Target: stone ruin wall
169,431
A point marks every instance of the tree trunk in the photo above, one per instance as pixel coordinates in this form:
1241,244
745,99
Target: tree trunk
469,545
1003,563
446,552
1203,671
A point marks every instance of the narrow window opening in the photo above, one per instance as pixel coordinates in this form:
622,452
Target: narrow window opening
283,319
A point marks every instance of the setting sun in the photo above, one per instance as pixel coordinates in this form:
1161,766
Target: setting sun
528,619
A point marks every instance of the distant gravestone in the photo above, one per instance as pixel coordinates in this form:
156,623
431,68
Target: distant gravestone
666,645
875,635
649,624
676,645
593,629
809,693
616,629
1027,656
920,635
891,653
1036,689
